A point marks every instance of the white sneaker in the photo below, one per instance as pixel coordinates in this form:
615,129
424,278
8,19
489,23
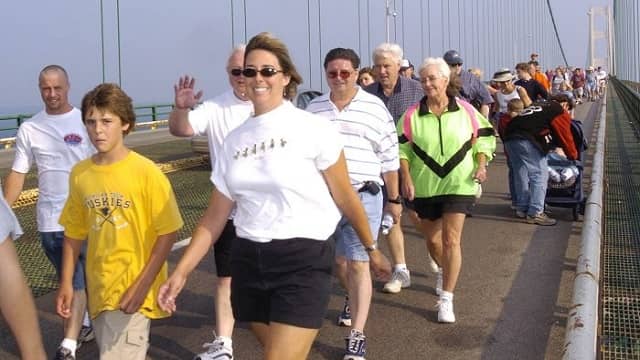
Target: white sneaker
216,350
399,279
432,264
445,311
439,282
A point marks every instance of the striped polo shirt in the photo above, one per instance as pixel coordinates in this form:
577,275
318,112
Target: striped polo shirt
368,134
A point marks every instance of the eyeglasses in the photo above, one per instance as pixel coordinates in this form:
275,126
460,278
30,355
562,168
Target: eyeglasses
265,72
344,74
455,65
236,72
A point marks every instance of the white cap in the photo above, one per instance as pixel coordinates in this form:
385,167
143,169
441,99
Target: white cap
404,63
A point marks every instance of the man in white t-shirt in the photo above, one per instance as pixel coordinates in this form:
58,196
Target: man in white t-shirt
215,118
55,139
371,150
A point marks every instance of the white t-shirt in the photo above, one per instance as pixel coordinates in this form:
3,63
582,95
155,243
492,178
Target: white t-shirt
368,133
55,143
216,118
271,167
9,225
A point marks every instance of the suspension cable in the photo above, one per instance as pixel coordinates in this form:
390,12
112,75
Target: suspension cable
555,28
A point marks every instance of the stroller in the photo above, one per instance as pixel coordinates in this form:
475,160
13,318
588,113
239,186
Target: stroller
565,176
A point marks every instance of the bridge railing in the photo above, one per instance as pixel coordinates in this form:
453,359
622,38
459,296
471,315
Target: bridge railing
581,331
147,116
629,93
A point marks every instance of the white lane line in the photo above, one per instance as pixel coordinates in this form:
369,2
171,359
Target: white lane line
180,244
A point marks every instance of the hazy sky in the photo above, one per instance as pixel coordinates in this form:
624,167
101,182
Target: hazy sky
160,40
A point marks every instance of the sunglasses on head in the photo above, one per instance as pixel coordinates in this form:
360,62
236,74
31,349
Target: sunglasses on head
265,72
236,72
344,74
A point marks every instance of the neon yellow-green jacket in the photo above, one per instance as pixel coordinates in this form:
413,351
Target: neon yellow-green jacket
443,150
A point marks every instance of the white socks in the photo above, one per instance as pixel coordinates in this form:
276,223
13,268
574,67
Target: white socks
400,267
70,344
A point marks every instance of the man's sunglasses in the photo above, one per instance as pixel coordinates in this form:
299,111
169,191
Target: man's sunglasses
344,74
265,72
236,72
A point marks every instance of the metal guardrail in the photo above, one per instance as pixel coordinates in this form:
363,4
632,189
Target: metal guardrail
581,332
629,94
153,112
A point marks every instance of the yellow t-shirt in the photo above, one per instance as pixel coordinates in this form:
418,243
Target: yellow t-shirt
121,209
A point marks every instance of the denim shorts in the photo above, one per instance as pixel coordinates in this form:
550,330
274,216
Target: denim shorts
52,245
348,243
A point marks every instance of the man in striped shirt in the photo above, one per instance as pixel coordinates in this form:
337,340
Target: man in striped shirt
371,150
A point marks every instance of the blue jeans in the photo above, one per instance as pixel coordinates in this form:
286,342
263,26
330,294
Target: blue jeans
52,245
347,241
530,175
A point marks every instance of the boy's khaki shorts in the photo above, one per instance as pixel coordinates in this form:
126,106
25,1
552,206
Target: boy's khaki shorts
122,336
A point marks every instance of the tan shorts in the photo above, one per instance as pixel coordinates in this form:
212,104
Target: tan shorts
122,336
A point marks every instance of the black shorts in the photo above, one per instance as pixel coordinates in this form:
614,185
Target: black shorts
433,208
285,281
222,250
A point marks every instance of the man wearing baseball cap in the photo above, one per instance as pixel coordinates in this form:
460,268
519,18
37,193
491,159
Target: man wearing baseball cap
473,90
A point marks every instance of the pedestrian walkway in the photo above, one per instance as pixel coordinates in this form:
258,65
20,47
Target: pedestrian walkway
620,265
511,303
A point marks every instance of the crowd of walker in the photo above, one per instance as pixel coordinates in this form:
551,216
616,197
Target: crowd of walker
382,140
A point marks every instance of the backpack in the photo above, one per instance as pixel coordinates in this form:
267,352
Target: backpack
471,111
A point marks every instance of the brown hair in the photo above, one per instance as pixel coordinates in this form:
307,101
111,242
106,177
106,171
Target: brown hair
515,105
522,66
266,41
111,98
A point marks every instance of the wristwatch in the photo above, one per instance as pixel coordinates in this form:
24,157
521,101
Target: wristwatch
370,248
397,200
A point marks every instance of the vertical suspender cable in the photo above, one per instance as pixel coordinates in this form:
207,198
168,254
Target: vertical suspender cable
359,29
104,77
119,52
309,37
459,25
402,28
244,5
421,32
233,33
320,40
368,31
427,16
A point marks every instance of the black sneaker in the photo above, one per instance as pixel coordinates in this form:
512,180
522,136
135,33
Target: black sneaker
86,334
356,346
64,354
344,319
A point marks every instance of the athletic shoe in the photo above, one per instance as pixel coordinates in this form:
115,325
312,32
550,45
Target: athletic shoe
541,219
64,354
344,319
216,350
356,346
399,279
86,335
439,282
445,310
521,214
432,264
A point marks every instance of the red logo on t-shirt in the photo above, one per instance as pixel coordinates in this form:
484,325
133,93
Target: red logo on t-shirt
73,139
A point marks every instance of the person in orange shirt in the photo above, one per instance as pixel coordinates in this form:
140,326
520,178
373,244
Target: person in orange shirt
537,75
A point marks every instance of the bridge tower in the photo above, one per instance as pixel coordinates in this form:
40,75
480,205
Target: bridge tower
598,35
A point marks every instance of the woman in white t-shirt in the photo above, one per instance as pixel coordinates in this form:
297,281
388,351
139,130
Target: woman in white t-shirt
285,171
16,301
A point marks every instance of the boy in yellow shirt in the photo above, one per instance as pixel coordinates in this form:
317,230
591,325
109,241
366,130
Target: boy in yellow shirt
125,208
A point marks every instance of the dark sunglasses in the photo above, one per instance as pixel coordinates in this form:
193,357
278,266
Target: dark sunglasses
265,72
344,74
236,72
460,64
